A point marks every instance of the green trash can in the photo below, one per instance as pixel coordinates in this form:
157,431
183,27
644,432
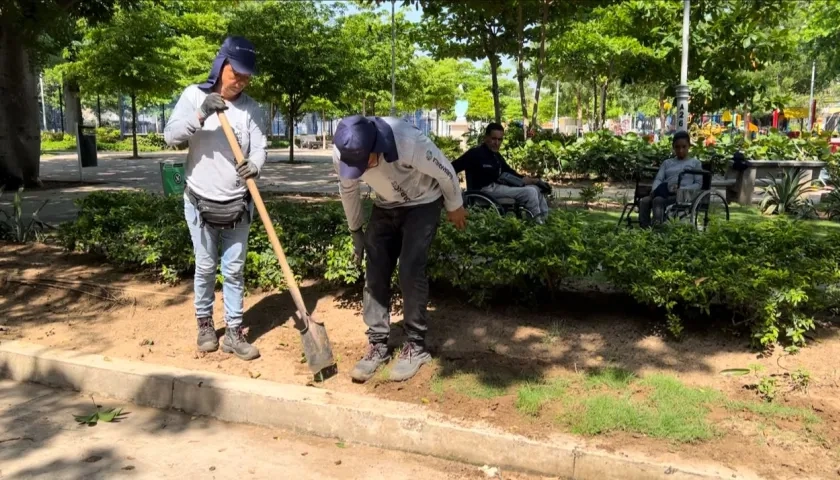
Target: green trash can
172,175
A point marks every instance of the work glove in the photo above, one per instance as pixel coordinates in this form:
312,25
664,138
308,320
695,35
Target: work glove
247,170
358,237
212,104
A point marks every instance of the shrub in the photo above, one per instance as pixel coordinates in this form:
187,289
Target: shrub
783,195
450,147
772,274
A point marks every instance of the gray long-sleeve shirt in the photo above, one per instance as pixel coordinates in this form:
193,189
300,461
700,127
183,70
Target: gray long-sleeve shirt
421,175
670,170
211,166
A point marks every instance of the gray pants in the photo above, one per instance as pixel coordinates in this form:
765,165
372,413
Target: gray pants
404,234
658,204
529,195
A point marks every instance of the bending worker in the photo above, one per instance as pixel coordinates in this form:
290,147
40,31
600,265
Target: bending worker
411,179
217,205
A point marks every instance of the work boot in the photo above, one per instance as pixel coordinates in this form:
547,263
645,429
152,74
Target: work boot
207,340
236,344
376,355
412,356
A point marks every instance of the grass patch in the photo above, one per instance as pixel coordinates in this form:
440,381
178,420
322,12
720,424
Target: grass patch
666,409
610,377
469,384
531,397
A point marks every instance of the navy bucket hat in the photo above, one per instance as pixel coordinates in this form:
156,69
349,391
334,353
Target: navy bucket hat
241,55
356,137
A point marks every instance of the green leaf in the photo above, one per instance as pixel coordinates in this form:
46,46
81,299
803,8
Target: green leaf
735,372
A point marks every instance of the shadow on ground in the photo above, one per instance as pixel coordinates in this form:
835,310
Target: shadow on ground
33,417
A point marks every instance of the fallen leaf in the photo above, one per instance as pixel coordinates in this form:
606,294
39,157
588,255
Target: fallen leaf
341,445
304,454
700,280
212,469
93,459
128,467
254,374
338,462
424,400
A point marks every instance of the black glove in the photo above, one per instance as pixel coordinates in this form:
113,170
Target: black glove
544,187
247,170
358,246
212,104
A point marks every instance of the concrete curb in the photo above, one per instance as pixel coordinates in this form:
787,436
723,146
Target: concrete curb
392,425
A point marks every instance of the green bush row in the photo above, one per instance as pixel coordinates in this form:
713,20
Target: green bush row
604,155
773,274
108,142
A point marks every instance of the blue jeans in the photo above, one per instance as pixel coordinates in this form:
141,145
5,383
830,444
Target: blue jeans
234,246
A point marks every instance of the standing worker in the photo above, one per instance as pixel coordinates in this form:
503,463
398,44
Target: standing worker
217,205
411,179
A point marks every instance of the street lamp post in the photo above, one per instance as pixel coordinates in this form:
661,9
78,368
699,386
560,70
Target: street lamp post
393,62
811,115
682,88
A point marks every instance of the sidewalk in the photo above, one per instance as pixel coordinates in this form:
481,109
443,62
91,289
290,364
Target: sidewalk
312,172
40,439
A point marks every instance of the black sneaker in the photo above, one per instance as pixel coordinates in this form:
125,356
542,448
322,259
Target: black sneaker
412,357
207,340
376,355
236,344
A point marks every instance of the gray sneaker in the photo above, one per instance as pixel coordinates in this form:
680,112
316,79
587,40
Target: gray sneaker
376,355
236,344
207,340
412,357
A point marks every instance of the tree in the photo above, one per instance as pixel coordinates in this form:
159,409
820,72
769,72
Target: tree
133,53
29,32
368,35
301,54
470,29
440,80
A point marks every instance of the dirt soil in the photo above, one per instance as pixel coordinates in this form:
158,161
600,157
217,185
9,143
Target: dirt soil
76,302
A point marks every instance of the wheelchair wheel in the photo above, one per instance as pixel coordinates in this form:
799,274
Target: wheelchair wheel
709,207
480,201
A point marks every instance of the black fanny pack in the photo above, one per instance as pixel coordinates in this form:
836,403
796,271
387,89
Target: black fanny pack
510,180
221,215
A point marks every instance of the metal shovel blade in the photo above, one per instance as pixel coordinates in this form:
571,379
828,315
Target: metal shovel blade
316,347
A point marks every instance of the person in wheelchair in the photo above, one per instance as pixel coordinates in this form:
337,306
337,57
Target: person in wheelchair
488,172
664,188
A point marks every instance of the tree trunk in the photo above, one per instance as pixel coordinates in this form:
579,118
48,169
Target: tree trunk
324,128
595,125
134,125
73,107
20,139
162,117
269,130
662,131
437,121
99,112
746,120
363,107
494,77
520,68
579,102
291,135
603,115
540,62
60,91
122,117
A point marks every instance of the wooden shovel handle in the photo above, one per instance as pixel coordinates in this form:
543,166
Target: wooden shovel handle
266,219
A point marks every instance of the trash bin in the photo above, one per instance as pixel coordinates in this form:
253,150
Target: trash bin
172,175
86,145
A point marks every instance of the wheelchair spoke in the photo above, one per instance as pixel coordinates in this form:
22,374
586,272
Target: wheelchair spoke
709,208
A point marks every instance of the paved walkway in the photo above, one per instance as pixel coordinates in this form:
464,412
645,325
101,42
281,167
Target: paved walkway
312,172
39,439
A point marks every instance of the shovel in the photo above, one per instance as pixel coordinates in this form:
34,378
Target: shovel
316,345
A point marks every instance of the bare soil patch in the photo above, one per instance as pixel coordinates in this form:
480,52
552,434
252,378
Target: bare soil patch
485,358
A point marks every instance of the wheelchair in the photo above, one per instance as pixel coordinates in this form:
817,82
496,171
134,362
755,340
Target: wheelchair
502,206
697,207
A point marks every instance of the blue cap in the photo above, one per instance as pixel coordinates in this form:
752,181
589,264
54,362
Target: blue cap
356,137
237,51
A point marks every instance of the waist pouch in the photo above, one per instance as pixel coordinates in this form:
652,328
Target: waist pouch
510,180
221,215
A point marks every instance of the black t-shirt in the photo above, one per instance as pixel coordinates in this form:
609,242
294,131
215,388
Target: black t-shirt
482,167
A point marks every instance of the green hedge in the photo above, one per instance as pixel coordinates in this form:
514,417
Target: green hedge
604,155
773,274
107,140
